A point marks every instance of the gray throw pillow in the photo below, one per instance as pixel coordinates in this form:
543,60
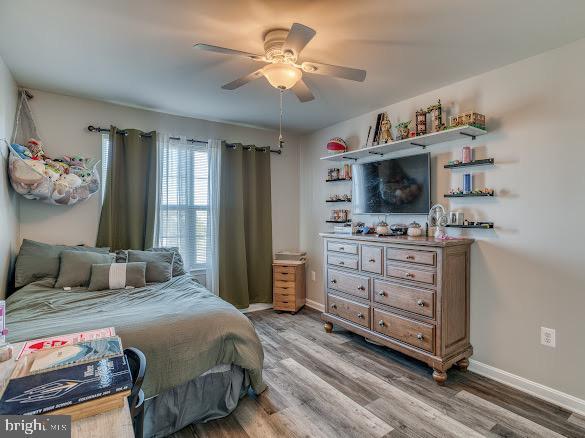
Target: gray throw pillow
117,276
159,265
37,260
178,265
75,267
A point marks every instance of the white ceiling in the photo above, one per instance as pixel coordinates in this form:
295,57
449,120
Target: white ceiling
139,52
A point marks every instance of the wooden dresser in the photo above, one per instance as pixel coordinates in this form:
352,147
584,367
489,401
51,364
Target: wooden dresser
288,285
408,293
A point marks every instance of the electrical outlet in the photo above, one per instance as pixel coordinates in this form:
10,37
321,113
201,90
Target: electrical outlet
547,337
313,276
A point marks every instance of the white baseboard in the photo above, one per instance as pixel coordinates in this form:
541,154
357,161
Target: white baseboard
256,307
315,305
551,395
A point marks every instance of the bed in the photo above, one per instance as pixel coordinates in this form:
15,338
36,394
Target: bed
202,353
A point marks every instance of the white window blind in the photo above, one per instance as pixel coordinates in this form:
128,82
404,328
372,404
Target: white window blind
183,199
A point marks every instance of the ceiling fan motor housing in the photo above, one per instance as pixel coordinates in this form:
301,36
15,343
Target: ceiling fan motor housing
273,42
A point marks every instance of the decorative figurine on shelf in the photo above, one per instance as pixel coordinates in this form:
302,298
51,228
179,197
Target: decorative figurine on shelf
403,130
385,130
436,111
421,122
469,118
336,145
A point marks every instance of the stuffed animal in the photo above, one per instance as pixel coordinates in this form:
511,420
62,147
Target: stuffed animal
21,151
36,148
51,171
76,161
27,172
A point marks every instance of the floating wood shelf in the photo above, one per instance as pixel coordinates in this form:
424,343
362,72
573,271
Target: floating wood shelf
338,222
484,226
338,200
451,134
338,179
468,195
486,162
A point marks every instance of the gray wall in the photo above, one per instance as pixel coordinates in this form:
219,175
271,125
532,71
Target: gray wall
528,272
61,121
8,201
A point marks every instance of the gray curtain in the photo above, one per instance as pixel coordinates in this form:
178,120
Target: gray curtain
245,227
129,210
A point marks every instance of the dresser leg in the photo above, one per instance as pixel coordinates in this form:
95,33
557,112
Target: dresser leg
463,364
439,376
328,327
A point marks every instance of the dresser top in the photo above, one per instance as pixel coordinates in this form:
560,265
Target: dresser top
407,240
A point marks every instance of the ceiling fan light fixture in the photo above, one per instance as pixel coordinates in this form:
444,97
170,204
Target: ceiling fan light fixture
282,76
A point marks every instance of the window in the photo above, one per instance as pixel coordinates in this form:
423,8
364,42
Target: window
183,197
183,200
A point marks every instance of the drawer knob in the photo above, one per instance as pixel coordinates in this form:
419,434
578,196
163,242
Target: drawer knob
381,323
372,260
341,248
361,288
382,293
334,281
360,315
419,336
334,306
409,275
409,257
341,263
420,303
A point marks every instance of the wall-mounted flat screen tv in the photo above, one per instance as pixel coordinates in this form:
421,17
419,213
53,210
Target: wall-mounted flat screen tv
394,186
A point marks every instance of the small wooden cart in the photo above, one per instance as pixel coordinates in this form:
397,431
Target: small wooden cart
288,280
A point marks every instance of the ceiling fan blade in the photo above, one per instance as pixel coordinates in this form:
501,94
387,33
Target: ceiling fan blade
243,80
353,74
298,37
226,51
302,91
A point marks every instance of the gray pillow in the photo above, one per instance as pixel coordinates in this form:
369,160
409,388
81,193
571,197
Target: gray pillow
75,267
178,266
37,260
117,276
158,264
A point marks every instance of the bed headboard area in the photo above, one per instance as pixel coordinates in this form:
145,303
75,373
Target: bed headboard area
9,224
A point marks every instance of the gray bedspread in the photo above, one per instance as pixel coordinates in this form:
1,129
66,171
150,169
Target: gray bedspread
182,328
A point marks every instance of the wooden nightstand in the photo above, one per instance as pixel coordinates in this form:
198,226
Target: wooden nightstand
114,423
288,285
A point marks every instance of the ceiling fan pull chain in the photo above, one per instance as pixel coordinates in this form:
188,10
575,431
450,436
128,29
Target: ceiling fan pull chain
280,139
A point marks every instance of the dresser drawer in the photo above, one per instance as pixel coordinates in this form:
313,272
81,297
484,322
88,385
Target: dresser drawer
348,248
411,274
356,285
280,269
283,276
344,261
419,301
350,310
372,259
412,255
286,302
412,332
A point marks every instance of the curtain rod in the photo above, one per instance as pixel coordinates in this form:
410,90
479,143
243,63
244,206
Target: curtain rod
92,128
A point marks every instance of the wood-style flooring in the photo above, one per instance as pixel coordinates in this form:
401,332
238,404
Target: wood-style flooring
339,385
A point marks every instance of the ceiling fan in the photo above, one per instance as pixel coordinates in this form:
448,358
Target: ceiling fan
284,70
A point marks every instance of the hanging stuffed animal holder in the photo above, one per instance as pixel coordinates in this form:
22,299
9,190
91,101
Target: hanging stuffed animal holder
65,180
